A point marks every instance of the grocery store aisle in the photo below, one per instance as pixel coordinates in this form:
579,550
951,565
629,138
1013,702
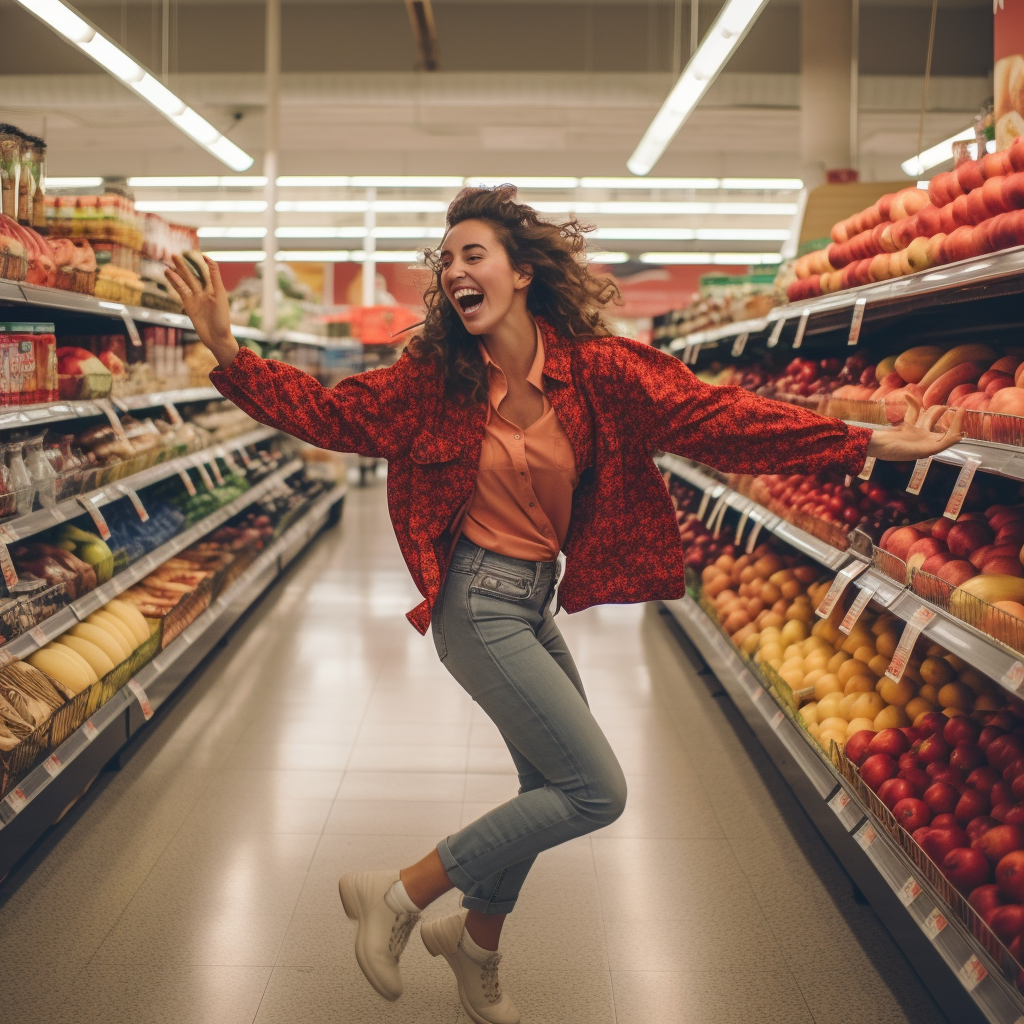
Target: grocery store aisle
198,884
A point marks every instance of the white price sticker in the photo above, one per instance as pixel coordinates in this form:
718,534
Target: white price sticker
856,609
754,534
839,584
917,478
140,695
38,634
773,338
1013,677
90,731
703,507
741,526
801,328
718,506
718,521
111,413
740,344
131,328
244,453
963,482
7,565
52,765
867,836
8,534
972,974
839,802
187,481
909,891
933,924
133,496
16,799
95,515
858,318
869,465
911,632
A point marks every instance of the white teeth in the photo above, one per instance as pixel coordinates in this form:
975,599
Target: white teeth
467,291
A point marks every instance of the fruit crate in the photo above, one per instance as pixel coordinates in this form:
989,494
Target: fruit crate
186,611
931,871
1000,428
241,559
893,567
858,410
72,279
13,266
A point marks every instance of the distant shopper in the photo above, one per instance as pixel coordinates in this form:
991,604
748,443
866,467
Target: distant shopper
518,427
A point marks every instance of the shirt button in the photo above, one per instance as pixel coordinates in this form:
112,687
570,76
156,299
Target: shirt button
517,437
522,474
531,504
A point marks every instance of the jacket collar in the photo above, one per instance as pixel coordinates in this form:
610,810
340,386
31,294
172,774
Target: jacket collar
557,364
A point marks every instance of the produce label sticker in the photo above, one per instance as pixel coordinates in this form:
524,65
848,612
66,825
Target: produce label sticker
933,924
140,695
90,731
921,468
38,634
839,802
911,632
860,602
1013,677
909,891
16,799
204,475
839,584
740,344
111,413
867,836
215,470
869,465
801,328
773,338
972,974
754,534
10,573
963,482
858,318
187,481
95,515
741,526
133,496
172,414
52,765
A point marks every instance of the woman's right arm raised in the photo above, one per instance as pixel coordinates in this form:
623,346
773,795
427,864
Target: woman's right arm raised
370,413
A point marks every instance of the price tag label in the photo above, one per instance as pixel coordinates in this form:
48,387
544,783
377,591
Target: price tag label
839,584
741,526
1013,677
715,510
52,765
963,482
133,496
911,632
839,802
173,416
703,507
917,478
58,513
187,481
95,515
38,634
758,695
776,720
909,891
215,470
16,799
856,609
119,404
754,534
140,695
89,730
972,974
866,836
6,657
7,565
129,326
231,464
8,534
858,318
740,344
801,328
111,413
773,338
933,924
204,475
244,454
722,506
869,465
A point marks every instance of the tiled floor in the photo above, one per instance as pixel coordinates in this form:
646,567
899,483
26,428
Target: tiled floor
198,884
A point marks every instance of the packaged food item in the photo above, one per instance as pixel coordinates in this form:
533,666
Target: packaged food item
30,186
10,169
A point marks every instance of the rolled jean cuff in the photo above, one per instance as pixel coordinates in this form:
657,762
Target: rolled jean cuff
463,882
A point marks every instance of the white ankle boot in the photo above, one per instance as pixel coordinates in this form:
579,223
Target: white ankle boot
384,928
479,988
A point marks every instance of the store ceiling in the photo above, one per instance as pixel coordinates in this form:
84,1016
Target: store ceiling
528,87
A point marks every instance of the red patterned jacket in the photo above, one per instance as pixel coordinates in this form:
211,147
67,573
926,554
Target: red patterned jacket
619,403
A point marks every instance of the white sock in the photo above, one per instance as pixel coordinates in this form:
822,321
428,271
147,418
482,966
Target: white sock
473,951
401,898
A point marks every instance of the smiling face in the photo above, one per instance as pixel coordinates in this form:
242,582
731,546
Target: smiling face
478,278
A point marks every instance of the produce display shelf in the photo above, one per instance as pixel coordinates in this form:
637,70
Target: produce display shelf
47,791
42,519
22,646
715,334
179,396
982,651
936,942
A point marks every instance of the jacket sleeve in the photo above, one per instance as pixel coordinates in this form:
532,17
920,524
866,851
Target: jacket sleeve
734,430
373,413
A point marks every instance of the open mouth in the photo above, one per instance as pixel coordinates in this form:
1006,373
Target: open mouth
469,299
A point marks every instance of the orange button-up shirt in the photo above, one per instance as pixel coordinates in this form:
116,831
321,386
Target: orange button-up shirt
524,486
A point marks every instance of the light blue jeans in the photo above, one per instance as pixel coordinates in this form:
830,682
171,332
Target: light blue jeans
494,631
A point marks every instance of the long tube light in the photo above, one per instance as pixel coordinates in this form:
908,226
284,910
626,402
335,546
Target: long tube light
200,206
201,181
939,153
113,59
720,258
693,234
647,209
727,32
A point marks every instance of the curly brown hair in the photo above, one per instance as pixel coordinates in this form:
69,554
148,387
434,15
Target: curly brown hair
562,290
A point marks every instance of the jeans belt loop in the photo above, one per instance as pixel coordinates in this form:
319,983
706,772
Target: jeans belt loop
478,558
537,569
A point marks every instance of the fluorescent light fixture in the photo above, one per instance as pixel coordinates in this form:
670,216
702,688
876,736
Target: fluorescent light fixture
406,181
360,206
112,58
347,256
764,184
701,70
609,257
215,232
935,155
239,256
200,205
360,232
210,181
693,234
73,182
666,183
391,256
314,181
738,259
526,183
652,209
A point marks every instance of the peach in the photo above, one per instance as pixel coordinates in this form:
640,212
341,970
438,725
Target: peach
936,561
1003,565
1009,400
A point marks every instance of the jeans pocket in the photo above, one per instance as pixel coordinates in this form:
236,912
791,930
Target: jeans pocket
504,586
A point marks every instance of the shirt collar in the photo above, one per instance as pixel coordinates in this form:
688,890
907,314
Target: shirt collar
537,368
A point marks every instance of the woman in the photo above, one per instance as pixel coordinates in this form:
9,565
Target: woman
517,427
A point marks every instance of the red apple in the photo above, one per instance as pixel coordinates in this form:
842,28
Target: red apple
892,791
934,563
999,811
956,572
931,722
1001,793
966,868
917,778
967,757
934,749
997,842
982,779
946,821
879,767
906,761
937,842
1006,921
1003,751
971,805
1010,876
857,746
1011,533
941,528
988,734
1017,787
926,546
941,798
961,730
900,540
965,537
913,814
979,826
888,741
985,899
1002,565
1013,769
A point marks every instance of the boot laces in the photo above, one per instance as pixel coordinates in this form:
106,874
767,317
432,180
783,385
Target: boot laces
489,978
400,932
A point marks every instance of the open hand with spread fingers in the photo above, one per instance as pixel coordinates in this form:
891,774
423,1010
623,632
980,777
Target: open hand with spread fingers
913,439
206,305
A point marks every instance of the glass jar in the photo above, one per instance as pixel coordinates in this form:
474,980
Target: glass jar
8,499
21,481
38,156
44,479
10,169
26,178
